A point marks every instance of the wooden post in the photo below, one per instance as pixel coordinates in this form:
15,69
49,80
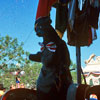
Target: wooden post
78,62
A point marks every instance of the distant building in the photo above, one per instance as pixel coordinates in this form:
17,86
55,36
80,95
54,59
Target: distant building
92,70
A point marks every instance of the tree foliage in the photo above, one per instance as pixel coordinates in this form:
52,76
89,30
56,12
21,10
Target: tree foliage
12,54
73,68
73,71
28,78
13,57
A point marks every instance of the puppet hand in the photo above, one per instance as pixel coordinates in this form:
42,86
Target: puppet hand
40,24
35,57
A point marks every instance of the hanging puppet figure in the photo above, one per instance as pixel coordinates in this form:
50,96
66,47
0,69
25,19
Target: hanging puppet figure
55,77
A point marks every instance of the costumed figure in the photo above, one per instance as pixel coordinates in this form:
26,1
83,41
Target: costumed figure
55,77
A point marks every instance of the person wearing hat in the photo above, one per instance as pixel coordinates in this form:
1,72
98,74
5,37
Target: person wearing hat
2,89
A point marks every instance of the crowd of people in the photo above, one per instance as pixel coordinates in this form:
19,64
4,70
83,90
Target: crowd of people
17,86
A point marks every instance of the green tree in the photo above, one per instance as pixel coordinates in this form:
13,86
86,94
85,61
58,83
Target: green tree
13,57
12,54
73,68
73,72
31,74
29,78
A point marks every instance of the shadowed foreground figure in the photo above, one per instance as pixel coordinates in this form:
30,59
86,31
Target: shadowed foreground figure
55,76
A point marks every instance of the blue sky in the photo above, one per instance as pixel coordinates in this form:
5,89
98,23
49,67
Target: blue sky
17,18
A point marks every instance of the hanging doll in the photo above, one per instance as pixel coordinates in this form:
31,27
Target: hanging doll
55,76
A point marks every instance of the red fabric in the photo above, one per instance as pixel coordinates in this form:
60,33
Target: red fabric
44,8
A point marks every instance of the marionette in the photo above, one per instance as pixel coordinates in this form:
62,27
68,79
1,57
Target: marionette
55,77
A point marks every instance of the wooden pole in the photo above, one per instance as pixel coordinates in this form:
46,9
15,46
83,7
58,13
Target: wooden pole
78,60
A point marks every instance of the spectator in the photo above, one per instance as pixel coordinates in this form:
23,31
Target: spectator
17,82
22,85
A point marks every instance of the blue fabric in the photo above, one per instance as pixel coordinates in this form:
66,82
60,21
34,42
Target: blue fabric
17,81
93,99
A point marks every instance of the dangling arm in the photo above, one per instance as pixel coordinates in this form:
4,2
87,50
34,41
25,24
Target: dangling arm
35,57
